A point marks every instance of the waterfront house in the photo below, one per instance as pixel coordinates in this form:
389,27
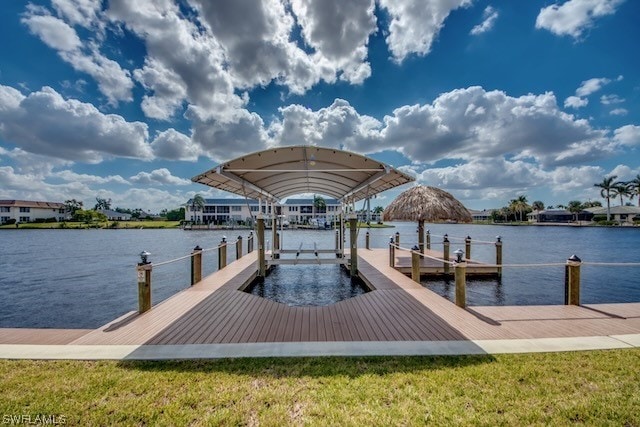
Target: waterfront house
483,215
114,215
620,214
30,211
236,210
558,216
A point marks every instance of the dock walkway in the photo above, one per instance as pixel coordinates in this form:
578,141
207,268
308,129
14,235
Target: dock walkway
215,319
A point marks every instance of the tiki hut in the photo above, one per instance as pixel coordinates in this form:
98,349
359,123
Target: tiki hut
422,203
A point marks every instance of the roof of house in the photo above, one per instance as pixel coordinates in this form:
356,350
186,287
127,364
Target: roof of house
113,214
31,204
616,210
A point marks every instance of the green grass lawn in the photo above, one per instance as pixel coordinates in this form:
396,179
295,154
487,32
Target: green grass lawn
590,388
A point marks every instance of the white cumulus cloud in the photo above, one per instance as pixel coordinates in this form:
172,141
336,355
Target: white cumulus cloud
45,123
573,17
416,23
158,177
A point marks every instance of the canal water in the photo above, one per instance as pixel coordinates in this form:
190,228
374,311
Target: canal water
85,278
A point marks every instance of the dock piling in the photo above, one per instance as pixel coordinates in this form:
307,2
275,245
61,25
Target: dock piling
460,273
353,240
397,238
499,254
239,247
428,239
196,265
144,282
572,281
250,242
421,236
445,253
467,247
366,240
222,253
392,253
262,268
415,264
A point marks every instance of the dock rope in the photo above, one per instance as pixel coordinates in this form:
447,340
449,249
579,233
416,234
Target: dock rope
158,264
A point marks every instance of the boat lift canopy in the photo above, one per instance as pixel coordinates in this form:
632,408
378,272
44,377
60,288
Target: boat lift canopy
279,172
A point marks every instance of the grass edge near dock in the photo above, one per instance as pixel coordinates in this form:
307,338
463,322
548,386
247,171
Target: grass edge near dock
594,388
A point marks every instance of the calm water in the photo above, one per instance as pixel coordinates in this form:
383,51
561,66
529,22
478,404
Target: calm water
303,285
85,278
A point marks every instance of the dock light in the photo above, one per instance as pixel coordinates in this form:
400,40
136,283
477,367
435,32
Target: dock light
458,253
144,257
415,248
498,238
445,238
391,239
224,239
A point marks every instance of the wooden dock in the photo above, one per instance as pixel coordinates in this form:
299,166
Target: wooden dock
432,267
398,309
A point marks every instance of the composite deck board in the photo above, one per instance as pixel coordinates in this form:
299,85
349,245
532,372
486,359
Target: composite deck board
40,336
215,311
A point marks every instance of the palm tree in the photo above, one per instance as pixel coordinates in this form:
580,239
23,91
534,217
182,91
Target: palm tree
634,188
318,204
537,205
519,205
575,207
621,189
606,187
197,201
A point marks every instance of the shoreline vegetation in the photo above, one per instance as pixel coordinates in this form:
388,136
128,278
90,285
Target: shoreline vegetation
587,387
160,224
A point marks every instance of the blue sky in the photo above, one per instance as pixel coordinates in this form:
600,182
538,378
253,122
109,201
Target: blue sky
488,100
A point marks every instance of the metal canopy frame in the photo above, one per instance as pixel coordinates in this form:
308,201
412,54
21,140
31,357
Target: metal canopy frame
274,174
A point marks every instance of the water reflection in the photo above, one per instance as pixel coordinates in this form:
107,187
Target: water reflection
307,285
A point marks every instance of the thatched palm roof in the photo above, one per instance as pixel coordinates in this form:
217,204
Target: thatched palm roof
429,204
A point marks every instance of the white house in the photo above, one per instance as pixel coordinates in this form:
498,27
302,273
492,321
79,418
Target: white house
114,215
30,211
234,210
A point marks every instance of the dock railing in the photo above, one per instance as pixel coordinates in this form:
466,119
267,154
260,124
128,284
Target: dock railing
145,267
572,268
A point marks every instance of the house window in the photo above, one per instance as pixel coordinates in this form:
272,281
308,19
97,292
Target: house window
254,209
25,209
222,209
24,219
236,208
4,218
293,209
5,209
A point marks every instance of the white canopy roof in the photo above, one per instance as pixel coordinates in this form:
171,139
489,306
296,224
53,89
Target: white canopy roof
280,172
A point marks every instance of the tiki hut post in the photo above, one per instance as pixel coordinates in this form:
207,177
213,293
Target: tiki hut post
428,239
421,235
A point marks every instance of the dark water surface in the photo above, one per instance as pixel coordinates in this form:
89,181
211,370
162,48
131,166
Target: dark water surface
85,278
304,285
